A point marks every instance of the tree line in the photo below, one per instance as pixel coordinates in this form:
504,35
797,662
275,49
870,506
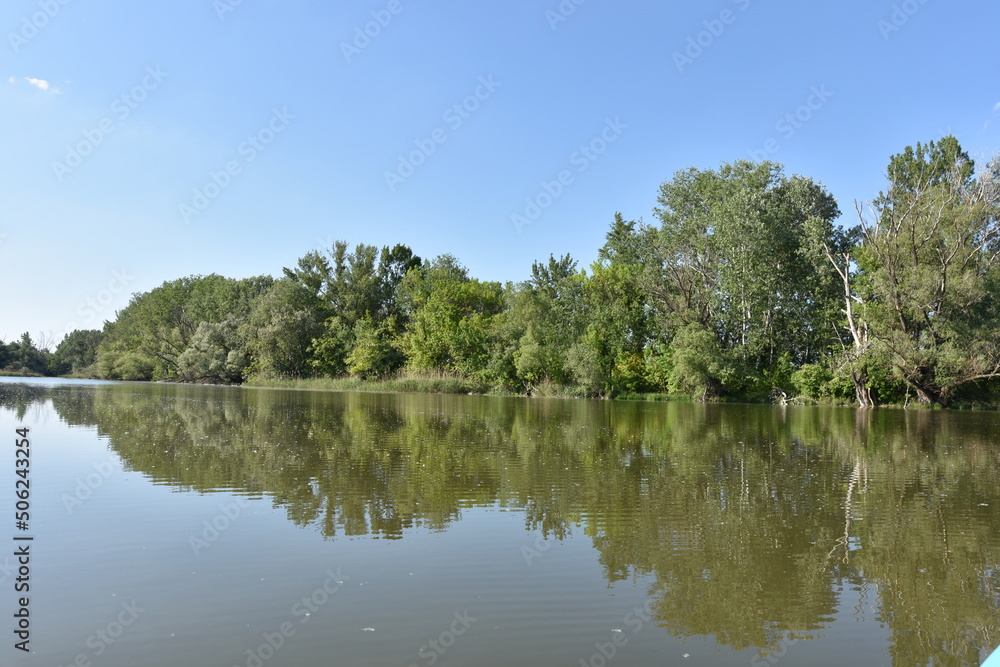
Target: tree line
745,288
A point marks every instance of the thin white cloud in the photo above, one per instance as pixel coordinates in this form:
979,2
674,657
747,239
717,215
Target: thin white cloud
40,84
996,107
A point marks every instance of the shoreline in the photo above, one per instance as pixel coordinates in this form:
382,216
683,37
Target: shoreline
458,386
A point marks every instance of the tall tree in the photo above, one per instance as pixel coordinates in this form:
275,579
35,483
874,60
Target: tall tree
451,317
353,286
610,356
732,257
282,325
551,308
76,352
930,263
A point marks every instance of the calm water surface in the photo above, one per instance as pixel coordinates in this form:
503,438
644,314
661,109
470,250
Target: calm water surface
208,526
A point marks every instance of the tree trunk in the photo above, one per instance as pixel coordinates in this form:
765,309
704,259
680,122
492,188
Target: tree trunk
862,391
928,393
929,396
859,331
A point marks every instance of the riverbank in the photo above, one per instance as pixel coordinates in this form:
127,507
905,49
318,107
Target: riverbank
444,383
439,383
448,383
424,383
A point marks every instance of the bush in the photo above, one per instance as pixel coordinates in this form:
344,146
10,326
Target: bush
374,353
698,363
115,365
585,366
811,380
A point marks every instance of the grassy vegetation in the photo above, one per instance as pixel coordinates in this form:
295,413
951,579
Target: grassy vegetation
452,383
428,382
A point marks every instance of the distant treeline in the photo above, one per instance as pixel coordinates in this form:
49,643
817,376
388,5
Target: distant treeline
744,289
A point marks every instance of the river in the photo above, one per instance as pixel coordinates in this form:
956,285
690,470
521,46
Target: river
183,525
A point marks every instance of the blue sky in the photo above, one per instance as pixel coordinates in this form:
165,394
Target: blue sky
143,142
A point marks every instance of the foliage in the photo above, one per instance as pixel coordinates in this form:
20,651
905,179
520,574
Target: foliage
280,329
931,270
744,288
160,325
733,255
811,380
376,352
699,367
23,357
451,317
215,355
76,353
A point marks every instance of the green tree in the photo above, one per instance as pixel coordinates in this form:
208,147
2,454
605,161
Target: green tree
451,318
216,355
610,357
699,367
376,350
23,356
930,270
158,326
76,353
736,255
283,322
351,286
551,308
